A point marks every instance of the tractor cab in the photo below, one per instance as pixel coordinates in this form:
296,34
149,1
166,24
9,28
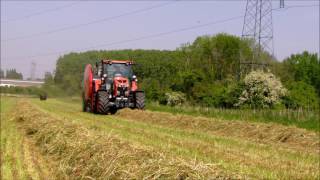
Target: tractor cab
116,74
118,70
114,68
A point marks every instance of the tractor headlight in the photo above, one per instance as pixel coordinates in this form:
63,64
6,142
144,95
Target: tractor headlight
105,75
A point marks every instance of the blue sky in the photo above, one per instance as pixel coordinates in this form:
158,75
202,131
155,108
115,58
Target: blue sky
295,29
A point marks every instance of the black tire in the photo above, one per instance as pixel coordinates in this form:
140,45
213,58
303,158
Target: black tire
102,102
94,108
88,107
140,100
43,97
84,105
113,110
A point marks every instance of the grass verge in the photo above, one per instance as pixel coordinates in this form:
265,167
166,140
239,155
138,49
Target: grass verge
300,118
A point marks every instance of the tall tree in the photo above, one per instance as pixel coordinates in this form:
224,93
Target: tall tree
303,67
13,74
2,74
48,78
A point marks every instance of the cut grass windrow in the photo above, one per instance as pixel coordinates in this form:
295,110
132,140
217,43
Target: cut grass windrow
271,133
17,159
11,167
83,153
306,119
188,138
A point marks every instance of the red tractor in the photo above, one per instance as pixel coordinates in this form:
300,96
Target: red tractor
109,86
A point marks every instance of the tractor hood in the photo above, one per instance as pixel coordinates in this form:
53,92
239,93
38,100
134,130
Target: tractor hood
121,86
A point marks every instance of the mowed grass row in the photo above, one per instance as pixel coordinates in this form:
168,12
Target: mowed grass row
301,118
288,137
81,152
234,155
307,119
18,159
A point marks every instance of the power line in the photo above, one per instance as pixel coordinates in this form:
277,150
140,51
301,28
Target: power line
295,6
163,33
88,23
111,18
39,13
135,39
138,38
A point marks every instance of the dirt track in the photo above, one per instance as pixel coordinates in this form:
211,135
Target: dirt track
144,144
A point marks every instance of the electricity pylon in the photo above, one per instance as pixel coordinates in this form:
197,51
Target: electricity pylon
258,28
33,71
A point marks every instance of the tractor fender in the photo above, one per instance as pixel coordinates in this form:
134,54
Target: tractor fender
96,84
134,86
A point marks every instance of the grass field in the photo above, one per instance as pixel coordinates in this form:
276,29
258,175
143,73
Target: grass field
55,139
307,119
20,159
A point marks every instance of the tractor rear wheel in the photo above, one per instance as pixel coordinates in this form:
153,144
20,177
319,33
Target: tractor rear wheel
140,100
102,102
84,104
88,106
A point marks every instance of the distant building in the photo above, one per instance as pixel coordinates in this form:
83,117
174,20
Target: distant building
19,83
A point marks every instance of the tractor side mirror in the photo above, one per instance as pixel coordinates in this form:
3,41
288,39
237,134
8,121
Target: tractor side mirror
134,78
99,70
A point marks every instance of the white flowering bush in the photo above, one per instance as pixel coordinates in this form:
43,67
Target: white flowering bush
261,90
175,98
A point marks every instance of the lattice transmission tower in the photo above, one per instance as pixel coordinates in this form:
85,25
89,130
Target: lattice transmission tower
33,70
258,28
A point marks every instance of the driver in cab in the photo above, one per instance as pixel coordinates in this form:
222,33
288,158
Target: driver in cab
117,71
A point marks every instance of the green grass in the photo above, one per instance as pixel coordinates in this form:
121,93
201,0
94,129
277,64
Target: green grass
18,160
234,155
309,120
306,119
59,135
12,157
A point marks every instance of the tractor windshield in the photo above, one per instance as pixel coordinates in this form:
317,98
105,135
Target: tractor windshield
118,69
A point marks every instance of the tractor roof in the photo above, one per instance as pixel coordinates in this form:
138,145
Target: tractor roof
109,61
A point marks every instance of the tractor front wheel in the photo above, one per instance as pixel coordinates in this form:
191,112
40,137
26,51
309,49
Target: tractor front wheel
140,100
102,102
113,110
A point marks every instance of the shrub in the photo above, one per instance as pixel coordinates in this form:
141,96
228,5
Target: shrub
233,93
301,95
210,94
261,90
175,98
21,90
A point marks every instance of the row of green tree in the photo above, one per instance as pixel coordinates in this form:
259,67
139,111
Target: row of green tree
206,72
10,74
